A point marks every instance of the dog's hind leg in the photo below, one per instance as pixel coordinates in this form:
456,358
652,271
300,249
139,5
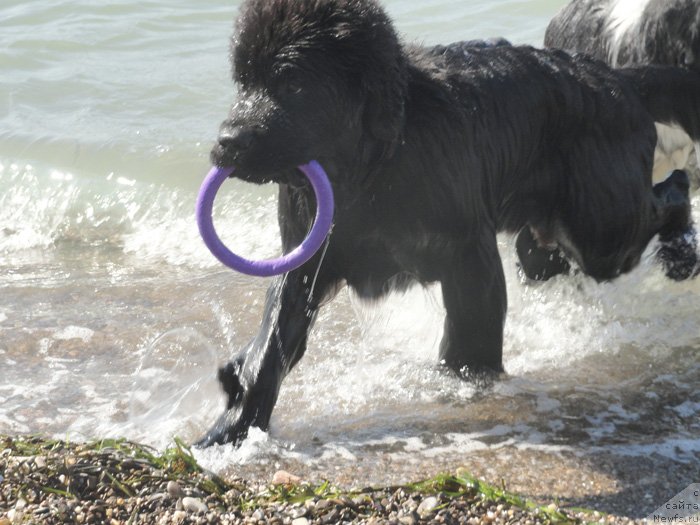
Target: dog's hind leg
539,263
474,293
252,380
677,236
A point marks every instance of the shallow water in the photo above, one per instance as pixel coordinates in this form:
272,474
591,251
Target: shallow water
107,113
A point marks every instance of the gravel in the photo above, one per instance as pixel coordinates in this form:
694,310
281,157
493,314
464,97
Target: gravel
117,482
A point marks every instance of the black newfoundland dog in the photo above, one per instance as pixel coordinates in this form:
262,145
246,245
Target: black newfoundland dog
431,152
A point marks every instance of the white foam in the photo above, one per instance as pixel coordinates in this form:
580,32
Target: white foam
168,232
74,332
335,450
40,208
61,176
258,446
687,409
683,449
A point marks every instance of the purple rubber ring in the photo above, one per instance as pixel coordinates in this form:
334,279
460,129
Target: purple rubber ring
268,267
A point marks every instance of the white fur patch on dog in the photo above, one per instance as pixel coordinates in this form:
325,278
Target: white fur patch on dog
673,151
624,15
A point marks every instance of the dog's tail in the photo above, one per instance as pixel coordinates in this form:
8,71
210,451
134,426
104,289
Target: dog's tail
670,94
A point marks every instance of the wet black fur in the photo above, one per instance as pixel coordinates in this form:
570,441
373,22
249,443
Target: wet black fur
431,151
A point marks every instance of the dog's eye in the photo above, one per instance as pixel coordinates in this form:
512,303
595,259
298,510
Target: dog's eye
290,83
292,87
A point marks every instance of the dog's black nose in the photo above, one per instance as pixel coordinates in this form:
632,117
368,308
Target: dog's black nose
237,139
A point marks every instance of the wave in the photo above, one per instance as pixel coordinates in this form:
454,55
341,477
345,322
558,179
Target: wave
45,208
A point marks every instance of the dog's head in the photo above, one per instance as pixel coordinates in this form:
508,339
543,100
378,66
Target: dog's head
317,79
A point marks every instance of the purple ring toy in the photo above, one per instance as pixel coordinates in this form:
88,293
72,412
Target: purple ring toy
268,267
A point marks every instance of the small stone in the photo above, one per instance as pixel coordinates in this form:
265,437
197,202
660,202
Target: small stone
323,505
194,505
179,516
331,518
40,461
174,489
300,521
409,519
5,521
427,505
282,477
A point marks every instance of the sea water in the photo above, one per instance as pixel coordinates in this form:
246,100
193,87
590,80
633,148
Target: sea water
114,316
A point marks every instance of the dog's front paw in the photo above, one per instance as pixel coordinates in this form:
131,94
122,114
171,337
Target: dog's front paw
250,402
231,427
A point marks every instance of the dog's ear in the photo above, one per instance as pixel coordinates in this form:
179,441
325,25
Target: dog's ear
384,113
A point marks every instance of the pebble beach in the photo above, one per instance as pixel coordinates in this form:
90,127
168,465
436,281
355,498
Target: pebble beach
119,482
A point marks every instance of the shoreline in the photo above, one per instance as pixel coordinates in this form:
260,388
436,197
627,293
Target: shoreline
120,482
611,483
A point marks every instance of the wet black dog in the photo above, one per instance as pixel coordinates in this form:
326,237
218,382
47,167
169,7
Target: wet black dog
431,152
624,34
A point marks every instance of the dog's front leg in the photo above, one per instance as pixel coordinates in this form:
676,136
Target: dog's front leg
474,293
252,380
